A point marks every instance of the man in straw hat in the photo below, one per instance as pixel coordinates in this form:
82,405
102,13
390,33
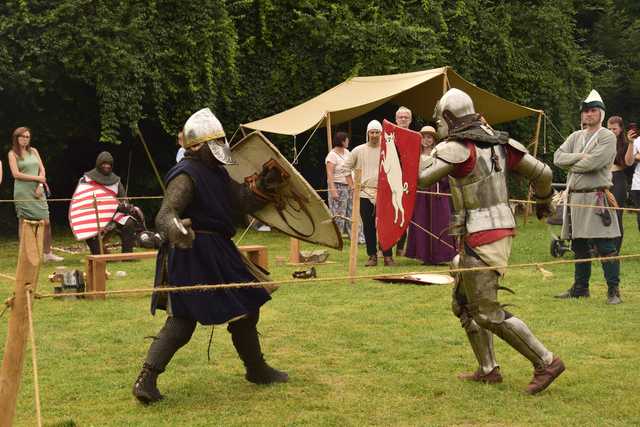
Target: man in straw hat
587,156
476,158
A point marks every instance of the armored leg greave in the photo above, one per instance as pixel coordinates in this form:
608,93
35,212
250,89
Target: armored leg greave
518,335
481,292
481,341
244,336
175,333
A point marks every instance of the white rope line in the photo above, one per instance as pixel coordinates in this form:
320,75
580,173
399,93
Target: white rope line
213,287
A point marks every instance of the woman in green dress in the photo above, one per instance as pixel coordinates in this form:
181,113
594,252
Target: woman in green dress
29,185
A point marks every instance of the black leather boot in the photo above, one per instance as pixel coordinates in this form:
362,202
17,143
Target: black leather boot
613,295
575,291
145,388
245,340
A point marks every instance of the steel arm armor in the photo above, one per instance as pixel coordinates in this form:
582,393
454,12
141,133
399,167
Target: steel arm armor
540,176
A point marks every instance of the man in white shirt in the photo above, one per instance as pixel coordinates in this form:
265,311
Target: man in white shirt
367,158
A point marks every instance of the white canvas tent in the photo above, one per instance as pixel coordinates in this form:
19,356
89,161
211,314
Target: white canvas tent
418,91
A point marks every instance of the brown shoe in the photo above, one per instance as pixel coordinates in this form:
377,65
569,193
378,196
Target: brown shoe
389,262
493,377
542,378
372,262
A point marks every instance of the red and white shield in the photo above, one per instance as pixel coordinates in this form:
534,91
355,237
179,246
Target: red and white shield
397,182
82,212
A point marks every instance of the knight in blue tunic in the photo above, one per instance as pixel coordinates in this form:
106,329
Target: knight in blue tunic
200,190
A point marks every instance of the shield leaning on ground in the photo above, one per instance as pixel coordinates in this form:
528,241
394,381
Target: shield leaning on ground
298,212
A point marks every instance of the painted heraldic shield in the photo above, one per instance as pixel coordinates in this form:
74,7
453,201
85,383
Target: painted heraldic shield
397,182
297,210
82,213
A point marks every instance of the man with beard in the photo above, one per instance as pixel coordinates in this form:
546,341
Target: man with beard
477,159
200,251
102,180
587,155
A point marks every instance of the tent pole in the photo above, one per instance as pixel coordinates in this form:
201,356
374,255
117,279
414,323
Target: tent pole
445,81
243,131
536,137
329,141
355,226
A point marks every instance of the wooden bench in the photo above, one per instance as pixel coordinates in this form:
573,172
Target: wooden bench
96,265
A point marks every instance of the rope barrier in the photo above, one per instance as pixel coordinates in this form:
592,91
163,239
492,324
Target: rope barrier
533,202
6,276
32,336
69,199
207,287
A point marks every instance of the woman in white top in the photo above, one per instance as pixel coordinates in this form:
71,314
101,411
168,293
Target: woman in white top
340,183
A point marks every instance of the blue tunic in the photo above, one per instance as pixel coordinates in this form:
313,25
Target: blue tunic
213,259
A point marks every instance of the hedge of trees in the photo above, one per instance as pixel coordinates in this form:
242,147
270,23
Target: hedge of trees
86,71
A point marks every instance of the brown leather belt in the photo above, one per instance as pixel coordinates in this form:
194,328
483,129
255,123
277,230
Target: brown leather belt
589,190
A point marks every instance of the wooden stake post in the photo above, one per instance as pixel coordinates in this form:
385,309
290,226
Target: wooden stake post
294,251
29,259
355,225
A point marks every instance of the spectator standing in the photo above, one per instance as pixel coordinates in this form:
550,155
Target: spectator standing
623,159
635,180
29,186
587,155
403,120
340,184
367,158
432,213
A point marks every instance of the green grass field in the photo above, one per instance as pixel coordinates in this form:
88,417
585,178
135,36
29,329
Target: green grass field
363,354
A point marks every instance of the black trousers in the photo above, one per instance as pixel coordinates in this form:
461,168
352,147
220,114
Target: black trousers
368,215
127,235
177,332
620,193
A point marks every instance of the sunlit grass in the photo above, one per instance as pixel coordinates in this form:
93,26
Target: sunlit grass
361,354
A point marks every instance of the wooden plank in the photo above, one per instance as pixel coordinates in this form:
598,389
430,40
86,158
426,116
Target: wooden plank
29,258
258,254
123,257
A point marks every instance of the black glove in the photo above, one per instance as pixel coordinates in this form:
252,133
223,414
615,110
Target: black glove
271,179
543,210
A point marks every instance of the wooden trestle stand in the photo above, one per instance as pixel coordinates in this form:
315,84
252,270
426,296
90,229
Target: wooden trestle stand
29,259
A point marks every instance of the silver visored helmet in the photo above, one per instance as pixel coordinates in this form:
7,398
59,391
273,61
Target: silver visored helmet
453,105
203,126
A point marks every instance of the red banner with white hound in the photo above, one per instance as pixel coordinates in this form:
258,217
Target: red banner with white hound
397,182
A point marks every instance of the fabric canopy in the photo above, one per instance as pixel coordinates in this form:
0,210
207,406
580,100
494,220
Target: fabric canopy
418,91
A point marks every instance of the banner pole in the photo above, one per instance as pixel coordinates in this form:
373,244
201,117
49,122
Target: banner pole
536,137
355,226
